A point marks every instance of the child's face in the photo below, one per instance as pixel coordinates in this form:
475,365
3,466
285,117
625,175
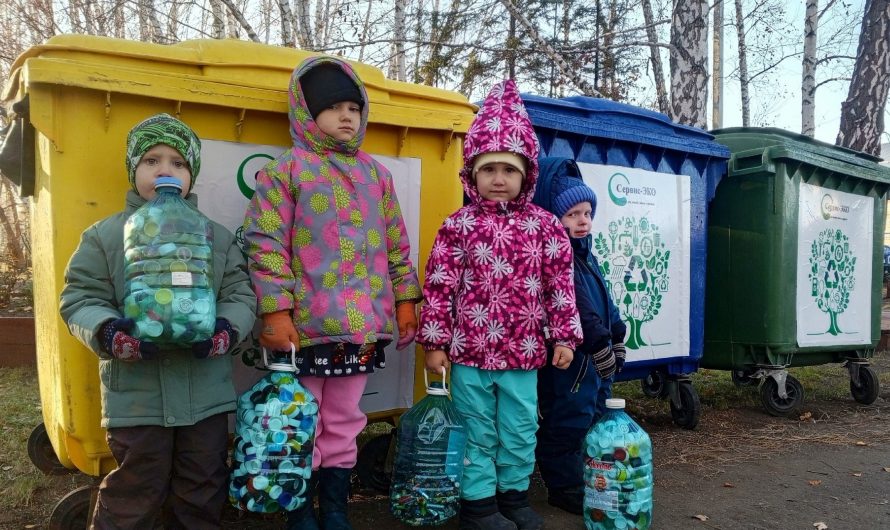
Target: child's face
578,220
340,120
498,182
161,160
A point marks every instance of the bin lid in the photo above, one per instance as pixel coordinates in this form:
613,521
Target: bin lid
603,118
771,144
229,73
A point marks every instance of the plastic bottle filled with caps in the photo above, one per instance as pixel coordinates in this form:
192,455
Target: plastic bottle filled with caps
617,472
168,255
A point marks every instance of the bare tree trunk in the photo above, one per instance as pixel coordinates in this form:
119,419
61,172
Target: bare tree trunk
743,64
399,37
510,47
86,8
304,23
717,69
567,70
655,58
173,21
608,85
366,28
239,16
862,114
418,34
689,60
218,30
808,78
288,24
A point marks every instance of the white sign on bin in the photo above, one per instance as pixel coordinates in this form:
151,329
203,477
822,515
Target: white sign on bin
228,177
641,238
835,246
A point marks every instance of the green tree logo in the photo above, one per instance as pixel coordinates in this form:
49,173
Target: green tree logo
831,274
634,263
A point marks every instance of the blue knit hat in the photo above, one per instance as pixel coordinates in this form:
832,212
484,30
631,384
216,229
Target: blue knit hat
569,191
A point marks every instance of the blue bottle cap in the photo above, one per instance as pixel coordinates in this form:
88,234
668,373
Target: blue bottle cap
167,181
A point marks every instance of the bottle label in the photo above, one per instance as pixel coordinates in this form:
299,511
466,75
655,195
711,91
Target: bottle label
602,500
181,278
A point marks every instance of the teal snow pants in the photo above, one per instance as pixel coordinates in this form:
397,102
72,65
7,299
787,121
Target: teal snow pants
500,408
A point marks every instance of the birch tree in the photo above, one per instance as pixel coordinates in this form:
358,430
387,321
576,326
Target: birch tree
743,64
689,62
661,97
862,114
808,79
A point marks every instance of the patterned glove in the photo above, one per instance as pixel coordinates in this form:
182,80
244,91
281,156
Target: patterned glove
406,318
116,340
223,337
279,331
620,354
604,360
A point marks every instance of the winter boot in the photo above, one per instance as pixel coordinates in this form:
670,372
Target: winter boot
567,499
514,505
303,518
333,493
483,515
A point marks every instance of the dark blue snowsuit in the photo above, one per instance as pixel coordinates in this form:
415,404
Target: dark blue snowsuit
571,400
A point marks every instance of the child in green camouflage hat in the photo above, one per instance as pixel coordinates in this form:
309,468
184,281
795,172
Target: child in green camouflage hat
165,410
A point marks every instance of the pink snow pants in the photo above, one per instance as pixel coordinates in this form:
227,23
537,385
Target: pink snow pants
339,419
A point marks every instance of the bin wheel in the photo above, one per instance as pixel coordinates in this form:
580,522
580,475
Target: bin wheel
775,405
370,467
688,414
742,378
654,385
41,453
869,386
72,512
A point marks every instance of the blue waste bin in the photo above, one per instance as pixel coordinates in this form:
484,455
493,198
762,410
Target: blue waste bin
654,179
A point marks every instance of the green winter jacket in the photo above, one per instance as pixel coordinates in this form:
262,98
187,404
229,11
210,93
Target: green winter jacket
176,389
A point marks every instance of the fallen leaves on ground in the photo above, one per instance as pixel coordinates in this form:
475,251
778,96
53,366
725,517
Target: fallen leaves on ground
814,482
856,474
728,485
701,517
820,526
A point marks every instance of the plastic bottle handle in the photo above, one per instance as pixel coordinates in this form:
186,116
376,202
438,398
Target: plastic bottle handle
436,391
292,367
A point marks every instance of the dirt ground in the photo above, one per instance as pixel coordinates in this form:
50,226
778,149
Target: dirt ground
740,469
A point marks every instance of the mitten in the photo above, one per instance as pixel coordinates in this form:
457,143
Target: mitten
223,337
117,341
604,361
620,354
279,332
406,318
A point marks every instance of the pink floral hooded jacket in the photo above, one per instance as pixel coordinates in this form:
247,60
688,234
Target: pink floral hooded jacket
325,235
499,277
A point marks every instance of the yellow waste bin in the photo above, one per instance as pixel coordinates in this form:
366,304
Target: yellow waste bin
80,95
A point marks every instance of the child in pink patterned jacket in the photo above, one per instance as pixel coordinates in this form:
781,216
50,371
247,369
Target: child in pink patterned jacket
328,255
498,290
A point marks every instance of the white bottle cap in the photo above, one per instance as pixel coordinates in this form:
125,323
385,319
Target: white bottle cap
615,403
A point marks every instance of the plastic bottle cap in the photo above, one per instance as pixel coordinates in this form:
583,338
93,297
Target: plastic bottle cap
168,181
164,296
615,403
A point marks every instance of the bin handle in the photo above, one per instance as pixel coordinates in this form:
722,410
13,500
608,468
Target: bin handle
288,367
436,391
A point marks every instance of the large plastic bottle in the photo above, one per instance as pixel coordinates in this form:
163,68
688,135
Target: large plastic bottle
617,472
429,460
168,251
274,437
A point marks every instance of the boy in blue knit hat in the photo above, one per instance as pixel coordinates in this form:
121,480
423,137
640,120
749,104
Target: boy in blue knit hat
570,401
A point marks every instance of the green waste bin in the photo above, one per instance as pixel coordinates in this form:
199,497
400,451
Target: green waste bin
795,235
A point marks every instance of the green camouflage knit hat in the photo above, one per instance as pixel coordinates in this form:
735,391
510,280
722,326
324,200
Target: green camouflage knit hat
163,129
